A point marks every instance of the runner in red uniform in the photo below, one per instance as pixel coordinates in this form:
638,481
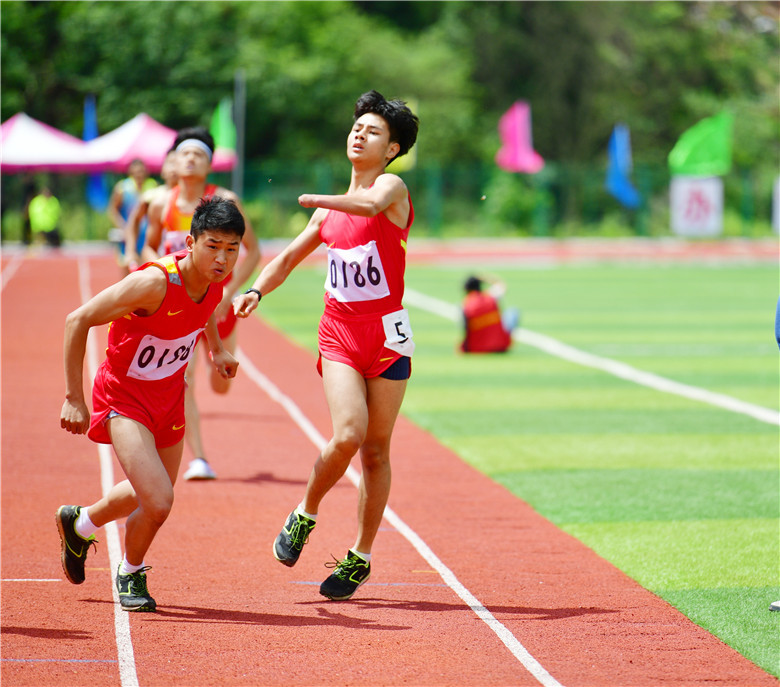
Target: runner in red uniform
169,223
365,339
157,314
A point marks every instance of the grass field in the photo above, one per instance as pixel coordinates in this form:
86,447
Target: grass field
679,494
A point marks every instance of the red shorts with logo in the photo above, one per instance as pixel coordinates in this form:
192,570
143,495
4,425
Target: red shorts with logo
161,414
357,343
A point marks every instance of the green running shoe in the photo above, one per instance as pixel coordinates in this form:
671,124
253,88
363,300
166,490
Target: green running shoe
133,594
74,546
290,542
348,575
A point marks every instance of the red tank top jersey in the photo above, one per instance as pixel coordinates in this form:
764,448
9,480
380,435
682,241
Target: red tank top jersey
147,356
366,263
484,331
176,224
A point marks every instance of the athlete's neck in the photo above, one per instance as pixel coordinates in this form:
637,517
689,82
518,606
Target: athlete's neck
364,178
192,189
195,283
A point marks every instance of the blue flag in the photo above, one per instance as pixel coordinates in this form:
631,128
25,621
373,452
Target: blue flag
97,184
619,165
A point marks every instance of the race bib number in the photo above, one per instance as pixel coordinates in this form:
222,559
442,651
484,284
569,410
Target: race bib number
160,358
356,274
398,332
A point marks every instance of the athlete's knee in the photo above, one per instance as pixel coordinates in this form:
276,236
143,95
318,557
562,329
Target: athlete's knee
374,455
157,508
220,385
347,441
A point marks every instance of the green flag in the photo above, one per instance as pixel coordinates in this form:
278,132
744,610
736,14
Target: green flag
222,128
704,149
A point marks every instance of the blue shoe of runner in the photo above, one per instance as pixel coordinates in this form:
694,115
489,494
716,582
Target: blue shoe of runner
292,538
133,594
74,546
348,575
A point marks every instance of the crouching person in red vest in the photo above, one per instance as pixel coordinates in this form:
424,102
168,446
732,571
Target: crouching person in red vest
486,330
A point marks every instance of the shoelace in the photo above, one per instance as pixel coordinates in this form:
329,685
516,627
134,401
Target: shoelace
299,534
344,568
138,581
84,546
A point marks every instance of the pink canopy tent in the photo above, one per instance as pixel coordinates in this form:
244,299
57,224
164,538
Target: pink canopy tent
146,139
32,146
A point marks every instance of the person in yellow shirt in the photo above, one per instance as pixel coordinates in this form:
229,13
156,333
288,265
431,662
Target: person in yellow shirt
44,213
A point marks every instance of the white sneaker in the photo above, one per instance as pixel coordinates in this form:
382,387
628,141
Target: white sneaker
199,469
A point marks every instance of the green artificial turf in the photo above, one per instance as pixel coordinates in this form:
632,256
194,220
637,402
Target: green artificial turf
679,494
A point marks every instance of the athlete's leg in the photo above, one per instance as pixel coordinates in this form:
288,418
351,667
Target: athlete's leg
151,474
191,413
345,392
384,403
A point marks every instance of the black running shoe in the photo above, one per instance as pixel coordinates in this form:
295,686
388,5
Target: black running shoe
348,575
133,594
290,542
74,546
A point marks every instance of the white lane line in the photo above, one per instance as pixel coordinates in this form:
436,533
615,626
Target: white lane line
510,641
29,579
128,676
613,367
10,269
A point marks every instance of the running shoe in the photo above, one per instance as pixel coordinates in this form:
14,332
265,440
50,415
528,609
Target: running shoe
290,542
199,469
348,575
74,546
133,594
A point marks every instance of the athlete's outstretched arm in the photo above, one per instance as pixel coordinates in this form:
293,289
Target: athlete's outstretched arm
387,190
276,271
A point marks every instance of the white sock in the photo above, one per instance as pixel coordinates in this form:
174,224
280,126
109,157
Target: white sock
84,526
300,511
365,556
126,568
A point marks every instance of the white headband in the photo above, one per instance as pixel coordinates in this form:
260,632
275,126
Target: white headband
197,143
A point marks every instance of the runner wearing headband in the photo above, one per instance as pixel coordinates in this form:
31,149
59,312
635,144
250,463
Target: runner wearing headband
170,216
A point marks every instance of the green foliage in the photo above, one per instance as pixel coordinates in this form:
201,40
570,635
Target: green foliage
659,67
583,66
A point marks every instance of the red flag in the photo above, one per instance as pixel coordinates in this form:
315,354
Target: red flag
517,152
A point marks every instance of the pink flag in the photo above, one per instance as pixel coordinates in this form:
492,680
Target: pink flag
517,152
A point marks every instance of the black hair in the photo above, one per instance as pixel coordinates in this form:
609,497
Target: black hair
199,133
401,121
473,284
217,214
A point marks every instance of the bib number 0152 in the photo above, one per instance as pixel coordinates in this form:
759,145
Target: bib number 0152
160,358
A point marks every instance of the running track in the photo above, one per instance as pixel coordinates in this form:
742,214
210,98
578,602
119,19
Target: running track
471,587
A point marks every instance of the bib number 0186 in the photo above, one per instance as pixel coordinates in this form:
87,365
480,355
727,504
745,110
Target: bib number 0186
372,276
356,274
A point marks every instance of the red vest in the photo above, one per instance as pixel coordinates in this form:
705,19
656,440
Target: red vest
177,223
366,263
484,331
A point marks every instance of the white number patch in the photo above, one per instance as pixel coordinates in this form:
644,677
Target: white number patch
356,274
175,241
398,332
160,358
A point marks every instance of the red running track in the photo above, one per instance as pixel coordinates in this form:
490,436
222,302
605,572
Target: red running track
231,615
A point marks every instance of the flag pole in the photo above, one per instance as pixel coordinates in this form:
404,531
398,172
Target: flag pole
239,119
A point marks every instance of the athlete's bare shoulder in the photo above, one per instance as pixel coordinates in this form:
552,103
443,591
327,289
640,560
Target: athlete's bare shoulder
226,193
